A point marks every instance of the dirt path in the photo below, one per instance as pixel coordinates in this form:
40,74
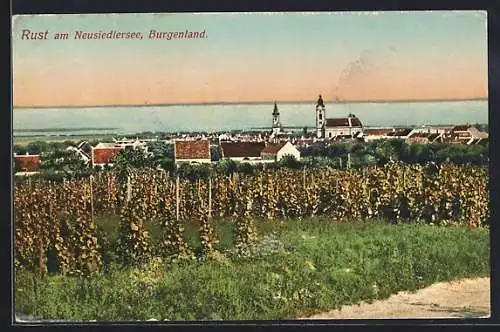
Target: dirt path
466,298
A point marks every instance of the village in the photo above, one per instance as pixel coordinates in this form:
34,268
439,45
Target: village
258,166
265,146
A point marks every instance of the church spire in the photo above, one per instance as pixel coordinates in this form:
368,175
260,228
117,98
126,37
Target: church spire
276,119
320,102
275,111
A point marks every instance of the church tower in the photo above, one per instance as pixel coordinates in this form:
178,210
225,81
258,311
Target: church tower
276,120
320,117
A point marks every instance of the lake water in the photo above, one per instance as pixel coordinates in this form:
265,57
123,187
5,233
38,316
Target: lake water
173,118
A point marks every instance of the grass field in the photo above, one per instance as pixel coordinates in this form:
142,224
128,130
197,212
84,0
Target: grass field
297,268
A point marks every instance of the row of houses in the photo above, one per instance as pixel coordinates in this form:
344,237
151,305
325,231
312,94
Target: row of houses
185,151
243,151
462,134
259,149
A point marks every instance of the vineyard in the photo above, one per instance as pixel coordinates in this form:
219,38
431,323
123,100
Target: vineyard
60,217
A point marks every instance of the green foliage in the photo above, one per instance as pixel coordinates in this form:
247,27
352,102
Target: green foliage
306,266
129,159
381,152
19,149
37,147
161,149
290,161
246,168
62,160
227,167
215,153
193,172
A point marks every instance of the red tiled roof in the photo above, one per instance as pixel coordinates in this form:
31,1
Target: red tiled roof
343,122
337,122
104,155
273,148
377,131
242,149
199,149
28,163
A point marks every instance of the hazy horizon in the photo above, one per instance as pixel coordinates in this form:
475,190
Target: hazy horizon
252,57
258,102
224,117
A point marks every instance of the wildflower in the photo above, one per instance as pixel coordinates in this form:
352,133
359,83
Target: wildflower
375,289
310,265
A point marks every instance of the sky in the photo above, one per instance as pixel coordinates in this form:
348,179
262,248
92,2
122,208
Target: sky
252,57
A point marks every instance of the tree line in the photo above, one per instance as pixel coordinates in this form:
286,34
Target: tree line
57,162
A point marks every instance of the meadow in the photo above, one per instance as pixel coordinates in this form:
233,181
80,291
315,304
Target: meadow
296,269
277,244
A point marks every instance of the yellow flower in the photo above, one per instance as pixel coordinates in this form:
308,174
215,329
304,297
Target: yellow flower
310,265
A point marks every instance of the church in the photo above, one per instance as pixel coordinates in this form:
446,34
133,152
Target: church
332,128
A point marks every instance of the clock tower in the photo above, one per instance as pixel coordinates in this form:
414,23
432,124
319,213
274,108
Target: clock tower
276,120
320,117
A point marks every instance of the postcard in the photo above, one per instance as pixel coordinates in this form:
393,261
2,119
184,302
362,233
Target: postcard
250,166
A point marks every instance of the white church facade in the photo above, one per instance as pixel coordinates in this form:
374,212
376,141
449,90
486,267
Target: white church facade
330,128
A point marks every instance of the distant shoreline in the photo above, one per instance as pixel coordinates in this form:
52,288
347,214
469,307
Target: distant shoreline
256,103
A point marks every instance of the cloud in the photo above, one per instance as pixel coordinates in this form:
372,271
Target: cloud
367,68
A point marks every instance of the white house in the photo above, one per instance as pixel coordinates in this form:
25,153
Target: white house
192,151
276,152
371,134
131,143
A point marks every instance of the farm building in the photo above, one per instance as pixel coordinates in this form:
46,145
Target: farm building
103,154
276,152
371,134
192,151
27,162
242,151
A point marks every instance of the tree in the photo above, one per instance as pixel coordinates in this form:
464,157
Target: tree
161,149
387,150
36,147
62,160
290,161
227,167
194,172
132,158
18,149
215,153
246,168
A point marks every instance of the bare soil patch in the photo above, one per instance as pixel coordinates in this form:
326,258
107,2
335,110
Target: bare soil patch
465,298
